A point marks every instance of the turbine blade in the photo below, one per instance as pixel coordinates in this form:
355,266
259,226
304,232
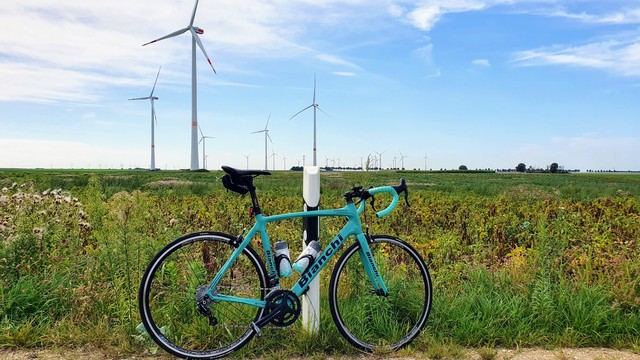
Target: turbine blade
314,88
154,84
144,98
300,111
256,132
175,33
201,134
193,14
324,112
197,38
269,137
269,118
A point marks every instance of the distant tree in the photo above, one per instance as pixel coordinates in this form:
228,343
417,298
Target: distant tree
463,167
553,168
521,167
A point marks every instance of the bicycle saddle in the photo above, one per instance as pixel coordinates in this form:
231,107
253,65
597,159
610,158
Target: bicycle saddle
237,172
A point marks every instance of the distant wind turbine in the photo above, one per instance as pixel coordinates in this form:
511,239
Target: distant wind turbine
247,156
203,141
380,159
153,120
195,39
266,136
402,159
315,106
273,155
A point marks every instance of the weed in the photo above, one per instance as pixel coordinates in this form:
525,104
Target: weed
487,353
539,260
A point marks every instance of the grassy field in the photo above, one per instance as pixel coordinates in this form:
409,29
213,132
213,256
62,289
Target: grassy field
516,259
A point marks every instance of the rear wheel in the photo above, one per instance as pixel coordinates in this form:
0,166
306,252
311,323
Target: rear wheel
178,277
368,320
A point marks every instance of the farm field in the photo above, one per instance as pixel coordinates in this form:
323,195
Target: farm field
517,260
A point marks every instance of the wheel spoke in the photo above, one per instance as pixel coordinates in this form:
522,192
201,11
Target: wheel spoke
169,298
368,320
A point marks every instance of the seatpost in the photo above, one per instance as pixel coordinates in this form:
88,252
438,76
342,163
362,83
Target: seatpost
254,198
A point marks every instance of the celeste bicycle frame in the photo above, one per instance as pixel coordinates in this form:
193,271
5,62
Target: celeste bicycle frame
353,227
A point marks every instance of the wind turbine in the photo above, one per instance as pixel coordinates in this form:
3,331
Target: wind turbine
315,106
195,39
380,159
402,159
203,141
153,119
247,156
266,136
273,155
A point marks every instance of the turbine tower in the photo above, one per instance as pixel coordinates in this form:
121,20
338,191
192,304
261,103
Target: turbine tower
266,136
402,159
273,155
380,159
247,156
195,39
153,119
202,139
315,106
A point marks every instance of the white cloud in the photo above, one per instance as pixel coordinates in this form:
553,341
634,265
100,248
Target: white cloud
332,59
618,56
626,16
481,62
344,73
74,50
425,54
425,14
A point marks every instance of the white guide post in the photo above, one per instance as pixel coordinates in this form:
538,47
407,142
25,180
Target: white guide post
310,232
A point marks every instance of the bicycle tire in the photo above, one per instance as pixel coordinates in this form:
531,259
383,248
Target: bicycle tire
167,296
369,321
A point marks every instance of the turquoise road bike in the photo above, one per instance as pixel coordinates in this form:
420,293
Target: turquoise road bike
207,294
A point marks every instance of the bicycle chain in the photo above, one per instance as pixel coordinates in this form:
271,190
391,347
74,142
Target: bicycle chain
268,326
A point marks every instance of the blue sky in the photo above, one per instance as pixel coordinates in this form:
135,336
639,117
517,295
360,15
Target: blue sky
484,83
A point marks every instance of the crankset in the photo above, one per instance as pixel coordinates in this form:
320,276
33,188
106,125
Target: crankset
283,308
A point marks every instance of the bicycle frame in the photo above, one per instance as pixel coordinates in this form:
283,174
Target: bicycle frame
353,227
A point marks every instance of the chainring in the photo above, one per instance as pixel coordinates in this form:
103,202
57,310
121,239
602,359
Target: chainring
287,306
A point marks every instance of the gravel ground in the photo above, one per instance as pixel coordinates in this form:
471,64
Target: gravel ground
501,354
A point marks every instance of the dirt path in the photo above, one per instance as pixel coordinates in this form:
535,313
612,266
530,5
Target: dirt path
500,354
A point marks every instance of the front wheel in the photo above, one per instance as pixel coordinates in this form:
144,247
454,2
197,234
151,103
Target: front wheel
369,320
175,310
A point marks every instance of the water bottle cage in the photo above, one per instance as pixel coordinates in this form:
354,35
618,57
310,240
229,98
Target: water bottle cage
279,258
311,260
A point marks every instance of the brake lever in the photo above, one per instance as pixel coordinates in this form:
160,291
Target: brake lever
373,203
403,188
406,198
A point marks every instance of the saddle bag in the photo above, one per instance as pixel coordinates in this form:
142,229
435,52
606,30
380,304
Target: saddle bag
234,184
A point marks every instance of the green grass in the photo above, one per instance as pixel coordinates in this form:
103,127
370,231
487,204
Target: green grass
516,259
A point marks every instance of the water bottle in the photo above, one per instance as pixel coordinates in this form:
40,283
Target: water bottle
307,257
283,264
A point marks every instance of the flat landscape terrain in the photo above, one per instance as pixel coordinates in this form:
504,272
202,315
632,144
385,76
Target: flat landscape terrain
517,260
